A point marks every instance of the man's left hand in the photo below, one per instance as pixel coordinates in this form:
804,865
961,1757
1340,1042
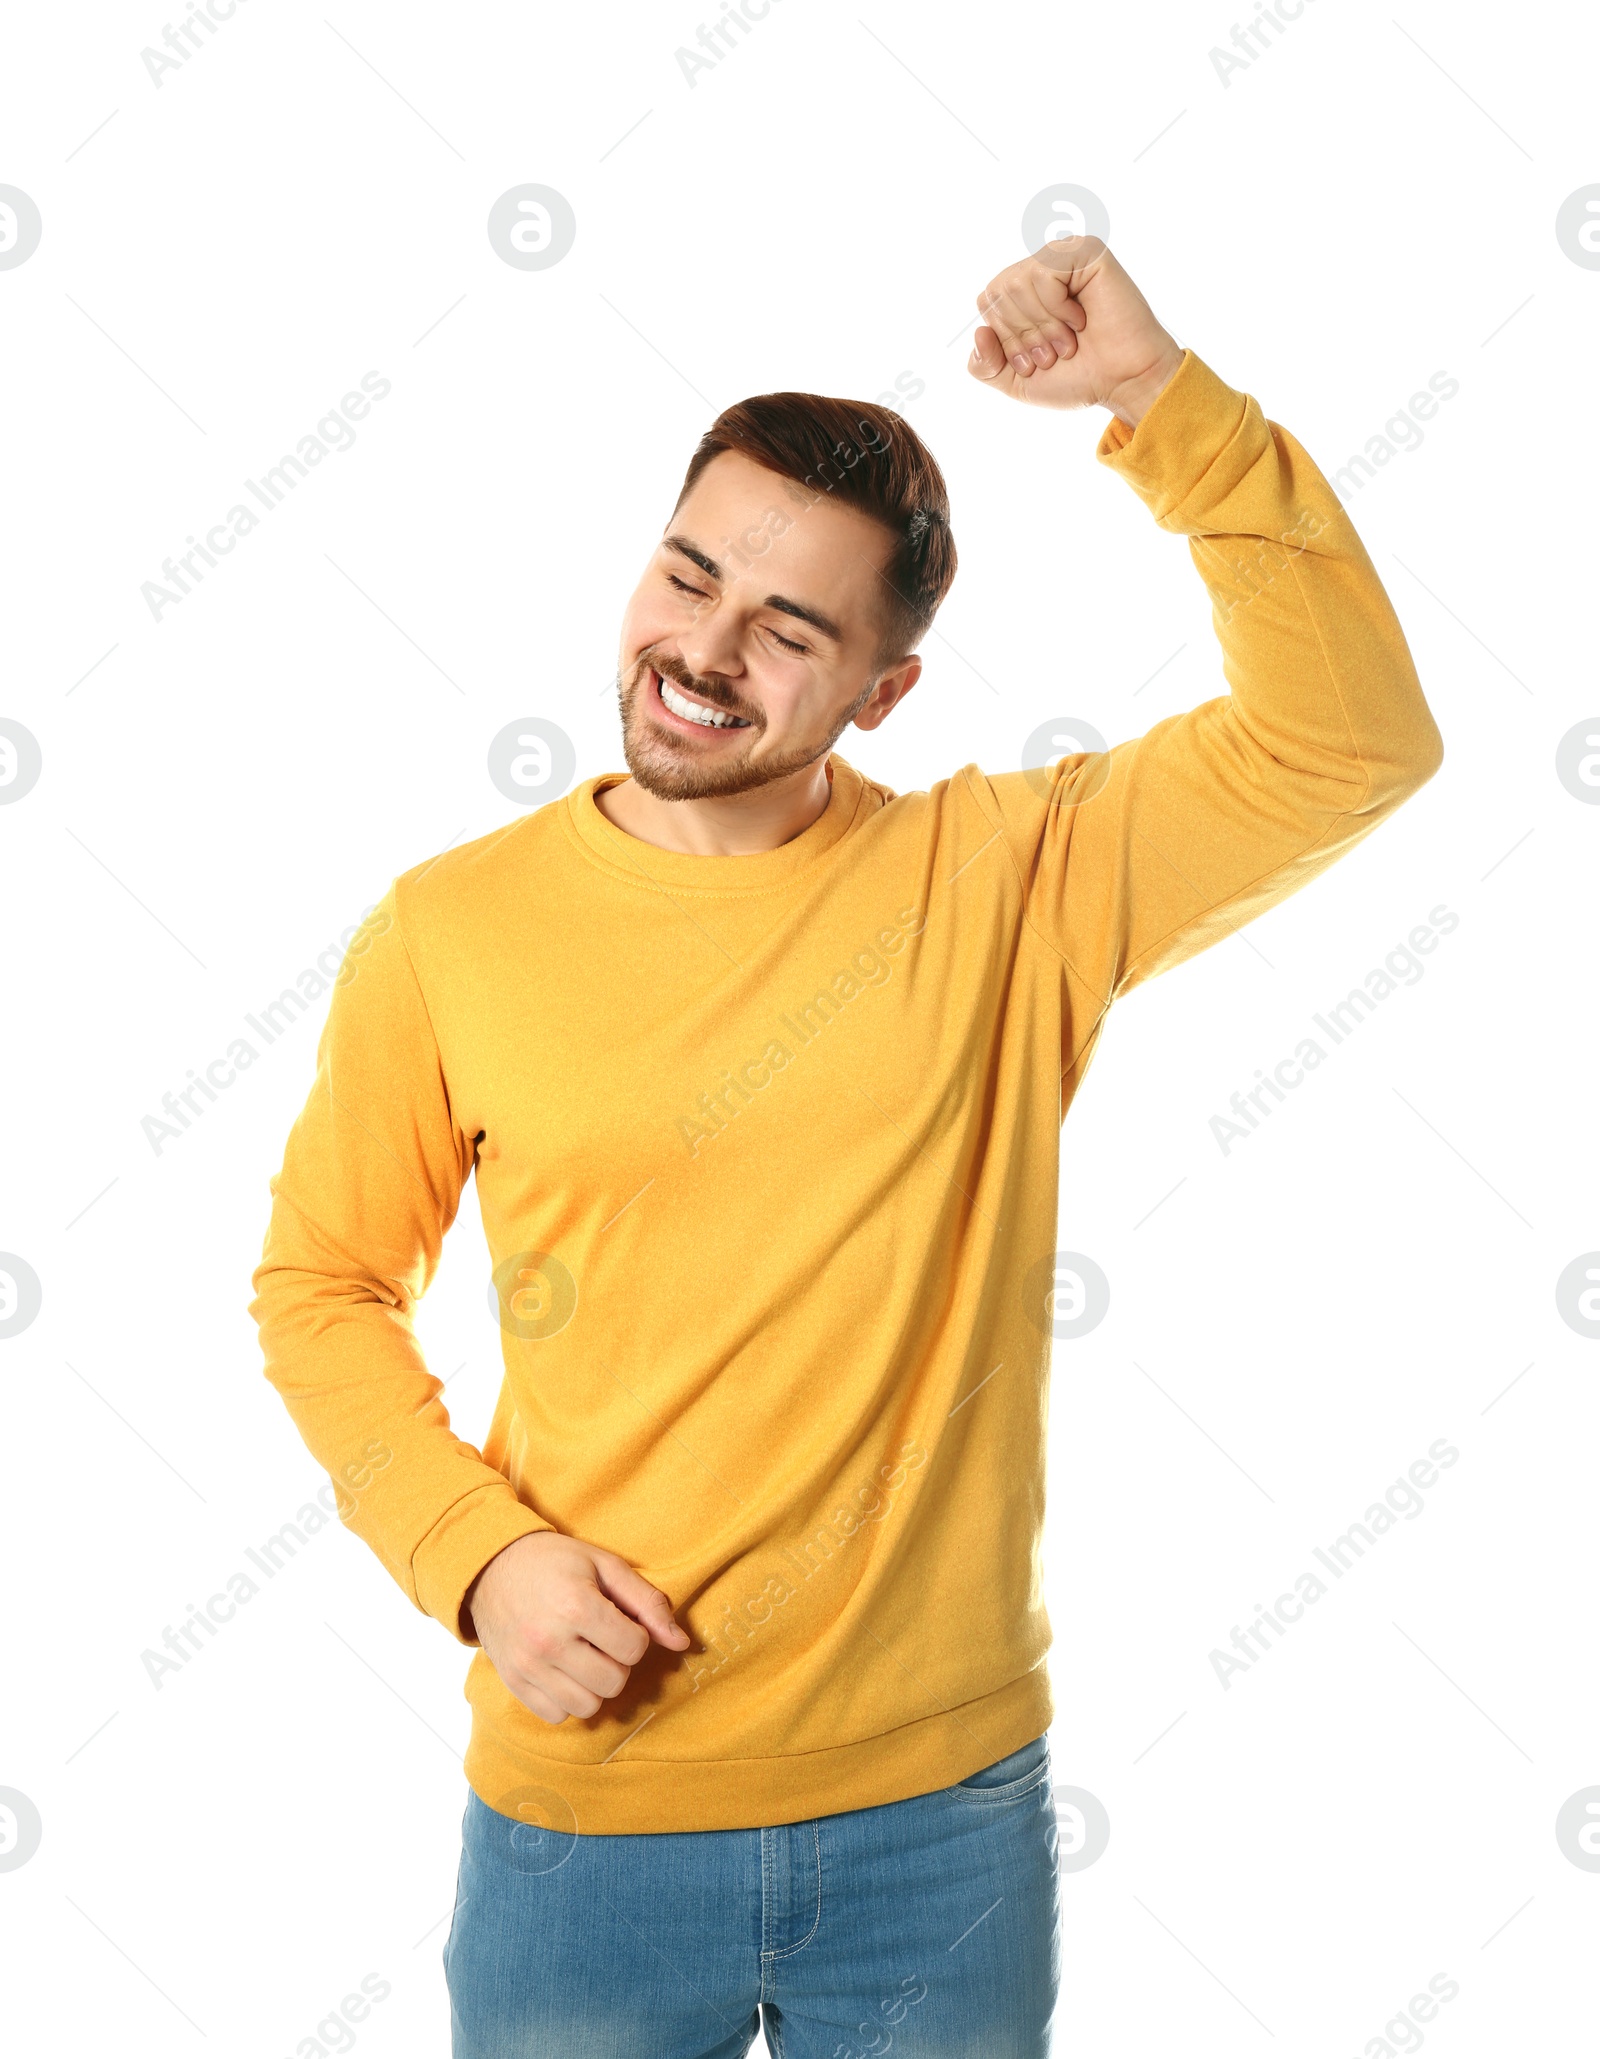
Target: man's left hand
1067,328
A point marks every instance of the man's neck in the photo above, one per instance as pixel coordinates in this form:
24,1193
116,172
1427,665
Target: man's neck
728,826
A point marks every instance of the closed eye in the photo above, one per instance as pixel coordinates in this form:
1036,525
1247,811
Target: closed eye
786,642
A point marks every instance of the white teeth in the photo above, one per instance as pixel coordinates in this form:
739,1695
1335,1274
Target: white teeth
692,711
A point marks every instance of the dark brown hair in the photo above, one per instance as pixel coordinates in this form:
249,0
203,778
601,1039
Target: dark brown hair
866,457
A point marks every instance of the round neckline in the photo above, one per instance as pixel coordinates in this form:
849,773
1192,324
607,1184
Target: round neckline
648,864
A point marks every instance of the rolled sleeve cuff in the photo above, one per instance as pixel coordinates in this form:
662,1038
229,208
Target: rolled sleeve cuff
1180,436
459,1546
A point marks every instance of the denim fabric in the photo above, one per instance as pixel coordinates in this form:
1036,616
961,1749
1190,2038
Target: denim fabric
928,1927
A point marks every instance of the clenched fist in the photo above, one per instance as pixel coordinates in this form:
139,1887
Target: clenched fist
564,1623
1067,328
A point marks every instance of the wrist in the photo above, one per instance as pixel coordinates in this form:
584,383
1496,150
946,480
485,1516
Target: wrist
480,1592
1132,399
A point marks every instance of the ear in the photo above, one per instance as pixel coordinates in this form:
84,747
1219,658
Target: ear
891,689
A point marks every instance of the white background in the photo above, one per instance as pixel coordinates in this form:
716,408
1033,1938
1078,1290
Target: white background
1292,1324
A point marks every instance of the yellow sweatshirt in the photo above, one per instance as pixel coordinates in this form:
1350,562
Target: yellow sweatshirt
767,1154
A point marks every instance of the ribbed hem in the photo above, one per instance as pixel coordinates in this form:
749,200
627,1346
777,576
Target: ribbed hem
631,1793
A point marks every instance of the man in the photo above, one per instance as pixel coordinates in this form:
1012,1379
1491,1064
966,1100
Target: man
761,1069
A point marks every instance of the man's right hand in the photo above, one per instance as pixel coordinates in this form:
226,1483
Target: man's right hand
563,1622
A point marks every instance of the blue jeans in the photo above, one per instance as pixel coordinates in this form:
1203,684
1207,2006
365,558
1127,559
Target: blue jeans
931,1925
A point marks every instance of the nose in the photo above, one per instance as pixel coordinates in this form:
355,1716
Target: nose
709,647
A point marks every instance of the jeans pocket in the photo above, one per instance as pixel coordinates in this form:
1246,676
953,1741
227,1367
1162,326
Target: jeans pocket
1010,1778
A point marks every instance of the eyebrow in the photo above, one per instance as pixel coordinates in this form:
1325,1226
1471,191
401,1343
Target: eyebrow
784,606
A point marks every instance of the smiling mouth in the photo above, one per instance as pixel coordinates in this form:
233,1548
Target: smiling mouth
700,713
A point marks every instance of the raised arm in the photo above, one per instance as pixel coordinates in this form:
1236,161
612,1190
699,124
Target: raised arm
1135,858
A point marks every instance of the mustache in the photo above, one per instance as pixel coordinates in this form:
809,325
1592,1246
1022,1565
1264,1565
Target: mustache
713,690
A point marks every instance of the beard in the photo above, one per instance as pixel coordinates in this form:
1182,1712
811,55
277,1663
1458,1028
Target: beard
674,767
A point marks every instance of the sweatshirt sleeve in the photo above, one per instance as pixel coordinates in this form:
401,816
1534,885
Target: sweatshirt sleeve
1135,858
371,1179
